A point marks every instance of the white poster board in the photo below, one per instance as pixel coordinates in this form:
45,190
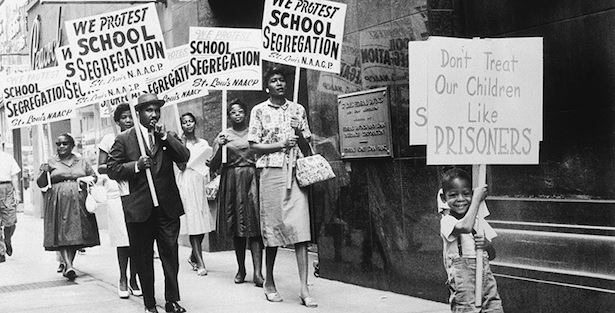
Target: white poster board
127,41
417,70
304,33
225,58
38,97
484,100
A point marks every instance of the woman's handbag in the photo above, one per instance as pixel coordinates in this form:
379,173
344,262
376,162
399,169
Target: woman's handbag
313,169
96,195
211,189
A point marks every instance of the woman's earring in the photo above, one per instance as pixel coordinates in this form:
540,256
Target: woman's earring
267,90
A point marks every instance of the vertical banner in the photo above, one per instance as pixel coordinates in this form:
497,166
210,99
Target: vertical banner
225,58
126,42
304,33
38,97
485,100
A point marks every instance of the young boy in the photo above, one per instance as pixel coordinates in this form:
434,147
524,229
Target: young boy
456,229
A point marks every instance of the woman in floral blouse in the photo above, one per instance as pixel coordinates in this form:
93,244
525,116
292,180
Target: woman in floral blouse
277,127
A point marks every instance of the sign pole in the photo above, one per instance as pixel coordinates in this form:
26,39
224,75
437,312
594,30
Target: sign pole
293,153
224,119
148,172
479,172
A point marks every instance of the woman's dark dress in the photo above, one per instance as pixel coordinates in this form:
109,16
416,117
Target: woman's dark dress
67,223
238,193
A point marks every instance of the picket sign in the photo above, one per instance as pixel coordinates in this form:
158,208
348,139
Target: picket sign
479,174
224,119
148,172
293,153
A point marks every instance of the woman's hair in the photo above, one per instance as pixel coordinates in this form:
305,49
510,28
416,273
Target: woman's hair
452,174
273,71
121,108
238,102
70,138
187,114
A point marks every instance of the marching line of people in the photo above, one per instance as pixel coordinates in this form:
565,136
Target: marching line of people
257,203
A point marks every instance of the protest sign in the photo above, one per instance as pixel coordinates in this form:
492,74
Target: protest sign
38,97
304,33
417,70
384,59
349,78
484,100
126,42
225,58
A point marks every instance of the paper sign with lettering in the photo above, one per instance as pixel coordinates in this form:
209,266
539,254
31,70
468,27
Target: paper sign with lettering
127,42
304,33
38,97
417,60
484,100
225,58
349,78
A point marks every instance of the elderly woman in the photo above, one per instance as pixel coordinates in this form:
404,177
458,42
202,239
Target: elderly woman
238,194
278,127
68,226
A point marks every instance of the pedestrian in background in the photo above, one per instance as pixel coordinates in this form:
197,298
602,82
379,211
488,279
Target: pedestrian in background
238,193
9,196
277,127
191,180
118,235
68,226
146,223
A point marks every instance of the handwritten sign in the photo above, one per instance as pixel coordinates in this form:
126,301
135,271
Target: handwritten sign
349,78
127,42
38,97
485,100
225,58
364,124
304,33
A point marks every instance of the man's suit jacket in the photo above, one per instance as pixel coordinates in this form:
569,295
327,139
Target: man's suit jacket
123,156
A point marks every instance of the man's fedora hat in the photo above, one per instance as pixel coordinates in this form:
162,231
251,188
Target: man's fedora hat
146,99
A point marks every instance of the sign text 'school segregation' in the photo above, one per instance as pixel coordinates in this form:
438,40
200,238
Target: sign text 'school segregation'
38,97
364,124
485,101
225,58
417,70
304,33
127,41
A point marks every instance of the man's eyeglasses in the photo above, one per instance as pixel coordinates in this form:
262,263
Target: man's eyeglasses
62,143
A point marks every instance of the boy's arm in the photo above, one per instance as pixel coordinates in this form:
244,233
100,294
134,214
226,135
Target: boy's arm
466,223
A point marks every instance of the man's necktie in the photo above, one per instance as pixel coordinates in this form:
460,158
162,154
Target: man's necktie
152,142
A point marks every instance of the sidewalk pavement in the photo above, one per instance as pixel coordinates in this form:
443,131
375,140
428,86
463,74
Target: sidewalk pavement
29,283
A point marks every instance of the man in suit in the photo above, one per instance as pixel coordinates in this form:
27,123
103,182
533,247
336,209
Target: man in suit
146,223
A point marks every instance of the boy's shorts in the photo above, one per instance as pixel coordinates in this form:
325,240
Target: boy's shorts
461,283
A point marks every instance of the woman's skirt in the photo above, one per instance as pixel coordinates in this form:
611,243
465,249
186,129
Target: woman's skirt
285,217
66,222
238,202
198,218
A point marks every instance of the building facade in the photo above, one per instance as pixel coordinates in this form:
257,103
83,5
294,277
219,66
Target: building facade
377,224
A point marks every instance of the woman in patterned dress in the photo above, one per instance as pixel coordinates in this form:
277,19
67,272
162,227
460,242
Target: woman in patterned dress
278,127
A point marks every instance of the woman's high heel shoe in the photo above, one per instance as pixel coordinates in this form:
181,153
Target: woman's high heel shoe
123,294
135,292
